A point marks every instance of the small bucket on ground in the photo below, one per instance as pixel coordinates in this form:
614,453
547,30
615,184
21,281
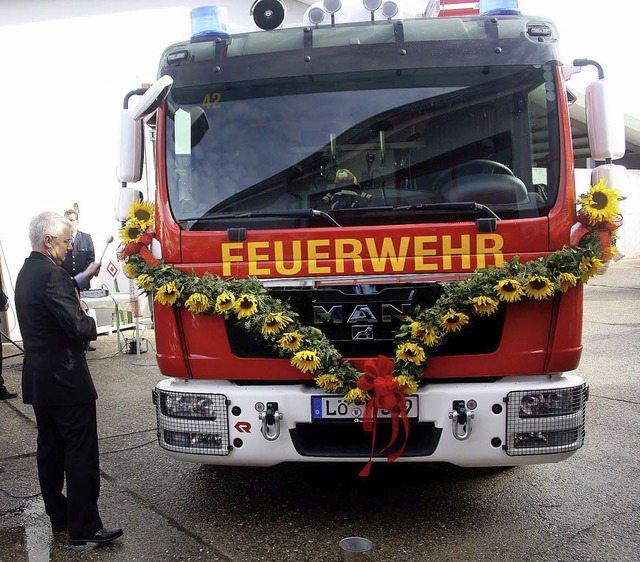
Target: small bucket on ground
355,549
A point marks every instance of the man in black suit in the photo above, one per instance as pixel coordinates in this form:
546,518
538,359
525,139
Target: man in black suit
81,255
5,394
57,382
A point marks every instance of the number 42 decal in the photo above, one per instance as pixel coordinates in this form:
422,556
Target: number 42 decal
212,101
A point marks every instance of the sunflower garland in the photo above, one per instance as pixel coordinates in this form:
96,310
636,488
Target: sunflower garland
247,302
599,215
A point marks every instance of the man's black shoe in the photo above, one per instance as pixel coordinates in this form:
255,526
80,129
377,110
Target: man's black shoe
103,536
90,348
7,394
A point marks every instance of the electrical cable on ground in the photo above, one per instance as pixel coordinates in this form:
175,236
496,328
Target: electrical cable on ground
102,453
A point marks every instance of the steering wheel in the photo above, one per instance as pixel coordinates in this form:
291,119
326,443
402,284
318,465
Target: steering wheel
346,199
479,166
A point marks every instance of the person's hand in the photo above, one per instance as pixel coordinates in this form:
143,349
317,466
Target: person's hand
92,270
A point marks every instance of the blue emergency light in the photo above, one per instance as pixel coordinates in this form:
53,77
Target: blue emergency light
209,22
499,8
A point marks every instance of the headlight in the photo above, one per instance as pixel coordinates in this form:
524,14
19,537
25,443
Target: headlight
193,440
194,423
189,406
545,421
551,402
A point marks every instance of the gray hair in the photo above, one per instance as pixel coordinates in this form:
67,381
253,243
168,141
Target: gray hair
47,223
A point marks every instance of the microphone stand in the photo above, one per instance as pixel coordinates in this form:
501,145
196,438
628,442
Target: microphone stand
6,337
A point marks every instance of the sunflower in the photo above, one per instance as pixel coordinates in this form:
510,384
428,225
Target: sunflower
601,203
427,334
509,290
246,306
406,384
130,270
431,336
167,294
484,306
328,382
357,396
274,323
411,352
589,267
538,287
453,321
291,341
141,213
131,233
567,281
197,303
145,281
224,302
307,361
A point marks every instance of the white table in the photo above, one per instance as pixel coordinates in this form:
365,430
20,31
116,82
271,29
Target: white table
115,302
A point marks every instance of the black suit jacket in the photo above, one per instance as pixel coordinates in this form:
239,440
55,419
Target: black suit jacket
54,330
81,255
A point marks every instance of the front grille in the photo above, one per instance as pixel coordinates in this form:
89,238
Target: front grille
362,325
190,430
546,421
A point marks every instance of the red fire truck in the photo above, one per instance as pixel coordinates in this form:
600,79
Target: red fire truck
357,165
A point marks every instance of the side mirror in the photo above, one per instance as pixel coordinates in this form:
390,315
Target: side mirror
153,97
131,127
605,122
615,176
126,198
131,149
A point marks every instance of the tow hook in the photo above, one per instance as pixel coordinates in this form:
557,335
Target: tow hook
460,420
270,421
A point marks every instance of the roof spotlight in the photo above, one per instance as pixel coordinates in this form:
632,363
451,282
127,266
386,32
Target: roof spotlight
389,9
316,15
372,5
332,6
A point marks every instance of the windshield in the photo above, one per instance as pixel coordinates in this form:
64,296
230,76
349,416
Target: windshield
387,147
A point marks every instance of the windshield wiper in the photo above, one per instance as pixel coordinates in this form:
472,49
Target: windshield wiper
252,214
456,206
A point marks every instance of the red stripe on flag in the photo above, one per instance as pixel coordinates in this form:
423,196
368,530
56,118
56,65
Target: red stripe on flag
457,8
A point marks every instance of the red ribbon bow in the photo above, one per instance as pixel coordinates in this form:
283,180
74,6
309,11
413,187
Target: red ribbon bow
140,247
378,380
603,229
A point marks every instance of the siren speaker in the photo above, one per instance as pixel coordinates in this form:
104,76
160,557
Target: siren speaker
268,14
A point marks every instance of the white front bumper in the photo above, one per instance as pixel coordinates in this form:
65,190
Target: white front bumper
495,436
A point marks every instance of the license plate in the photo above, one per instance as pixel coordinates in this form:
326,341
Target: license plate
335,408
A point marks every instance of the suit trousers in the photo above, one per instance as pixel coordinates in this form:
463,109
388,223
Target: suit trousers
68,446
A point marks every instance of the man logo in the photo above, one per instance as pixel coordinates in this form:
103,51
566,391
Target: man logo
386,312
362,313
